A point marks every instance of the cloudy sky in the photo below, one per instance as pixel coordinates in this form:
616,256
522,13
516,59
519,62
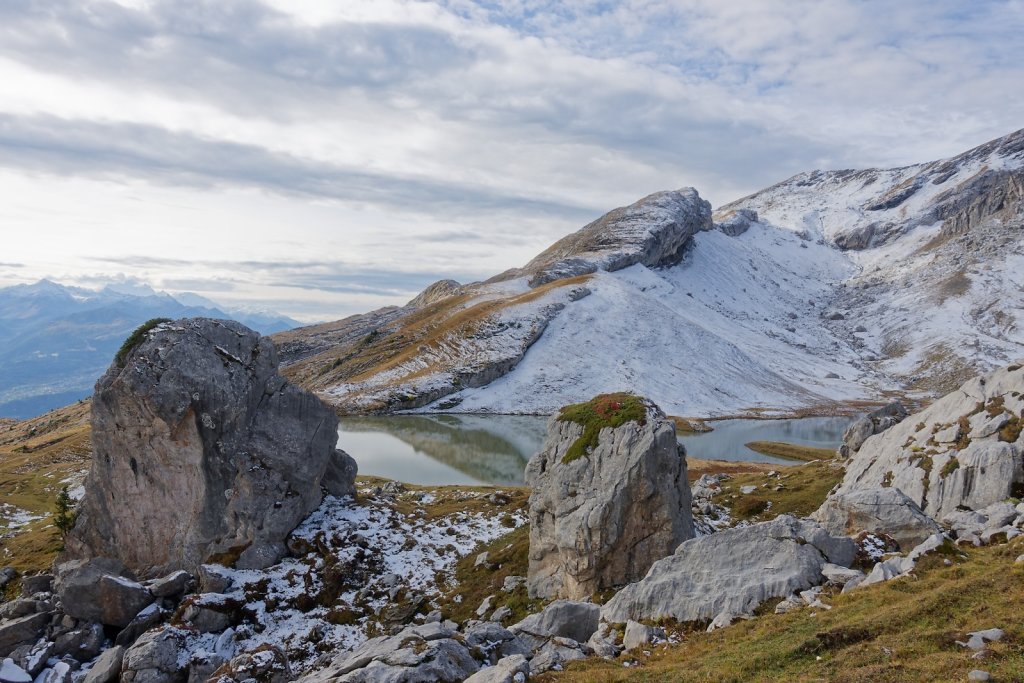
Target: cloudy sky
325,157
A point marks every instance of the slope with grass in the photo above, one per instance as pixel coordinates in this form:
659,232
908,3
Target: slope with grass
38,457
844,286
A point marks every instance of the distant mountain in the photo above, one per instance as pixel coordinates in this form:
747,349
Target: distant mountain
55,341
829,287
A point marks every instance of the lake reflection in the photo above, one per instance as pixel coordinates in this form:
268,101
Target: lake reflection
728,440
444,449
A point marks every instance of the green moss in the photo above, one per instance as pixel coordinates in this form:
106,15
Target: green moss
135,338
951,466
606,410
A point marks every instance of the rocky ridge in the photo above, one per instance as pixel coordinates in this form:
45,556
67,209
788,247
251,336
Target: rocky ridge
828,287
963,452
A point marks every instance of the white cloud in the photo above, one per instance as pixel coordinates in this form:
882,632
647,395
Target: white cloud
367,129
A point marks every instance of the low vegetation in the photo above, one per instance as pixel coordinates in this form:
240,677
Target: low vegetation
801,490
902,630
38,458
135,338
606,410
791,451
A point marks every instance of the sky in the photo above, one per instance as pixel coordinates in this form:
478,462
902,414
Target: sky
323,158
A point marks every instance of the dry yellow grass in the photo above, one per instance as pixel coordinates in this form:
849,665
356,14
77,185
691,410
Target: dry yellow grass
35,457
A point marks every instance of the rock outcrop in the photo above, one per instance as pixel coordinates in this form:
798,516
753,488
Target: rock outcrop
736,222
881,510
731,572
202,453
965,451
609,498
875,422
653,231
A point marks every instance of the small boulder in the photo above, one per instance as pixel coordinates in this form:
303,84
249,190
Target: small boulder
154,658
514,669
22,631
638,635
12,673
174,584
562,618
33,585
107,667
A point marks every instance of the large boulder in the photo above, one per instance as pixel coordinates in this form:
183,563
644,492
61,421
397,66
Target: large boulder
610,497
732,572
202,452
965,451
98,590
882,510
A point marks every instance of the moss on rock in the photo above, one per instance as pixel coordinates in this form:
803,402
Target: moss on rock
606,410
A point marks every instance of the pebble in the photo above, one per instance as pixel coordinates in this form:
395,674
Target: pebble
978,675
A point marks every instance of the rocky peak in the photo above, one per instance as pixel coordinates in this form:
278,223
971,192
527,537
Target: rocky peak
202,452
859,209
439,291
653,231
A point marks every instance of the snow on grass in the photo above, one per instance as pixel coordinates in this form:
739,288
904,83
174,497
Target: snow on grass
357,559
12,517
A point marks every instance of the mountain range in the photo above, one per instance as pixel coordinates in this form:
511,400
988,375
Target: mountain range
58,339
828,288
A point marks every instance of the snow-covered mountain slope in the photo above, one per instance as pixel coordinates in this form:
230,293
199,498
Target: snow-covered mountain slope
826,288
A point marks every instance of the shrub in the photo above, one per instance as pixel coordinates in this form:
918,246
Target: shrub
135,338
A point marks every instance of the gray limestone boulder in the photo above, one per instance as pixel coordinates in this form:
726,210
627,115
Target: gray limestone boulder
202,453
603,519
98,590
881,510
947,458
514,669
25,630
430,652
154,658
735,222
875,422
732,572
560,619
107,667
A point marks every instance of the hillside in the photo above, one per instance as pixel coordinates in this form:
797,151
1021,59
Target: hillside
56,340
827,288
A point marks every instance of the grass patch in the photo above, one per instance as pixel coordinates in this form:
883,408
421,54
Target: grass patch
37,456
1011,430
902,630
804,488
951,466
135,338
507,555
791,451
606,410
